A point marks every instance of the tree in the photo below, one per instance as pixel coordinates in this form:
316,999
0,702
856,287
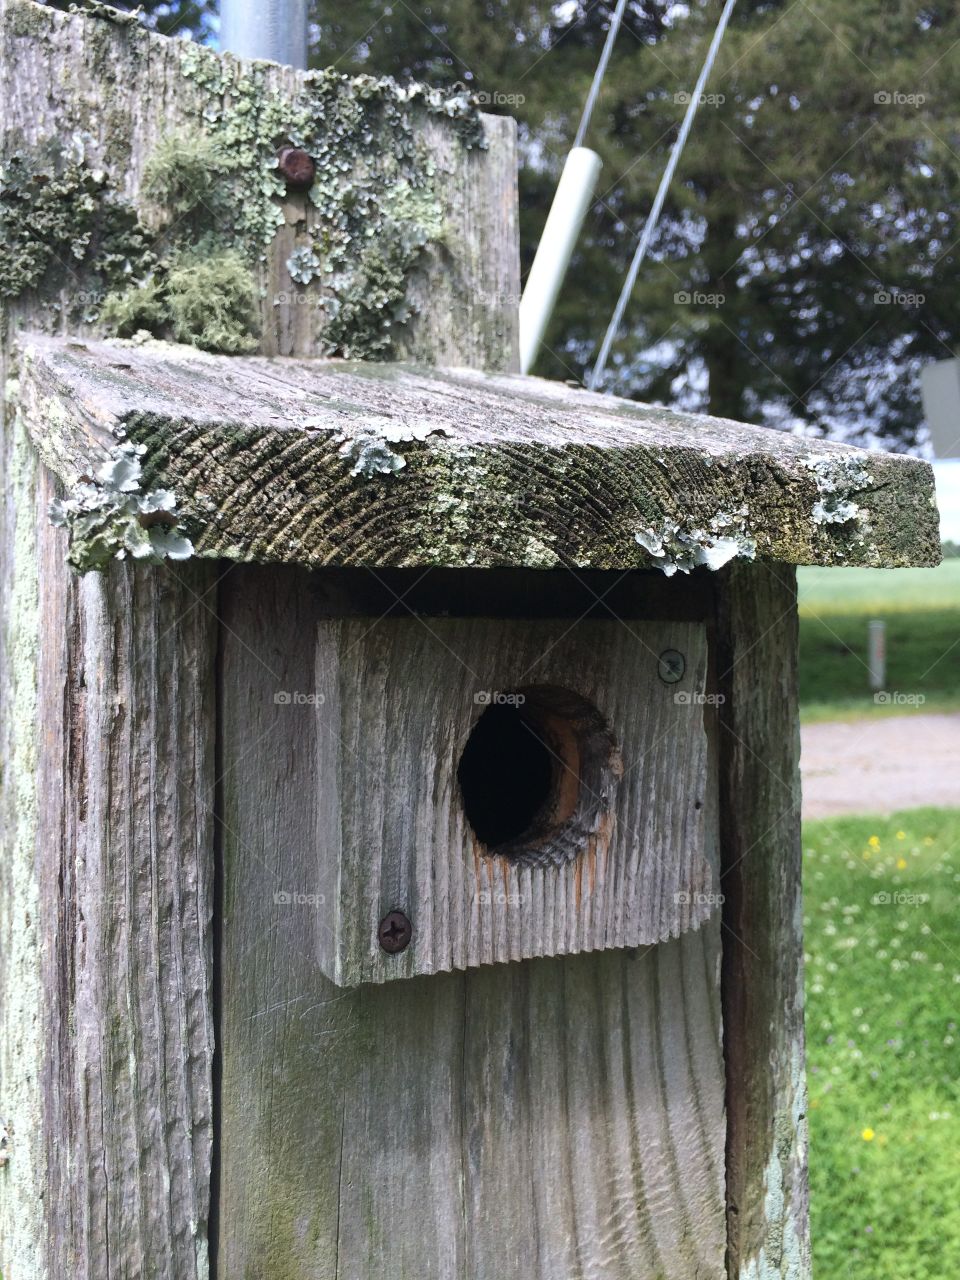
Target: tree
813,220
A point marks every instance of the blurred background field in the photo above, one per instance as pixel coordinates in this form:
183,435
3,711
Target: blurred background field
921,608
883,1010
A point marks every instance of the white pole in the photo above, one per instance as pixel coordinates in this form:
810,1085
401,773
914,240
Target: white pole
574,194
271,29
877,654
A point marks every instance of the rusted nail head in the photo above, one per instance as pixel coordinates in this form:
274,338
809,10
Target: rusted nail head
394,932
297,167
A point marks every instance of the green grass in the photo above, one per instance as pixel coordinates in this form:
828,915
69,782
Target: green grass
921,608
883,1045
863,591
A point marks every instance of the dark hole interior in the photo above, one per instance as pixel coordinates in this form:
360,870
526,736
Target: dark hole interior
505,775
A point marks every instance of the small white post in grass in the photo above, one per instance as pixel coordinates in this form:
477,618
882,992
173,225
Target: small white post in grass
574,194
877,654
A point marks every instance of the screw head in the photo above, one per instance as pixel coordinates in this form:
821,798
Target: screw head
298,168
394,932
671,665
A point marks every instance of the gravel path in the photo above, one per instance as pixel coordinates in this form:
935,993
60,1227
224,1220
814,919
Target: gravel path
879,766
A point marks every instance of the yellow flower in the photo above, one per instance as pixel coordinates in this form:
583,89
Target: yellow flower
867,1135
901,863
874,842
901,835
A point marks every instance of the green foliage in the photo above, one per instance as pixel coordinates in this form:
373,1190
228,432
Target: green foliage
883,1007
921,608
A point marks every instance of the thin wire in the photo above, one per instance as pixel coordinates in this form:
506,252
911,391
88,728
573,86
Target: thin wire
600,72
613,328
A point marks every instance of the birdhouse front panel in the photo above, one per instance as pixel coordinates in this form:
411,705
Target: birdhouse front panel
492,790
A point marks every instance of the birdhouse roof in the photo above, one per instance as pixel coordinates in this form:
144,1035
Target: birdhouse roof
164,450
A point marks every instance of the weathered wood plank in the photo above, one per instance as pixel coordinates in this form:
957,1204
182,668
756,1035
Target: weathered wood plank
125,846
22,1156
335,463
599,864
440,282
767,1220
557,1119
105,994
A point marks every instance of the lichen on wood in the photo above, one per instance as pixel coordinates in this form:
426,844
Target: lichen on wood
213,197
404,242
57,213
110,516
339,463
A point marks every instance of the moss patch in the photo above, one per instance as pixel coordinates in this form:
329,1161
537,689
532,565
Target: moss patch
212,198
208,301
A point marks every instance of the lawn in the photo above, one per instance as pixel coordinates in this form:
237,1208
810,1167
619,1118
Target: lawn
921,608
883,1008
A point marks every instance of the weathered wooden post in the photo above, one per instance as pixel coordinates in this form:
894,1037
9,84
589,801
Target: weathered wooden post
400,802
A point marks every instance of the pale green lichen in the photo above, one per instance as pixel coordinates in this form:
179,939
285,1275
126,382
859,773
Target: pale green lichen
212,303
214,189
370,452
375,184
57,213
303,265
674,548
110,517
120,17
836,478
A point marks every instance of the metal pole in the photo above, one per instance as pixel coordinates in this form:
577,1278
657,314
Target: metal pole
272,29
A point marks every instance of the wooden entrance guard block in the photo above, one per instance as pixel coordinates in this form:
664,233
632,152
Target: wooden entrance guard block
399,788
598,865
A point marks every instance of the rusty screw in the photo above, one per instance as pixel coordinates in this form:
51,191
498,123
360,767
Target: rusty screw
297,167
394,932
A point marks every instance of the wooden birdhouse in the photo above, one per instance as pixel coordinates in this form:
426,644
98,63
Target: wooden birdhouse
402,863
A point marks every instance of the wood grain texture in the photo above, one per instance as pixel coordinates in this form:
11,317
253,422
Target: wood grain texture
22,1166
767,1219
125,847
123,89
635,861
280,461
555,1119
106,693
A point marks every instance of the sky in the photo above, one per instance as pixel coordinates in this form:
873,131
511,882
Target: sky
948,498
